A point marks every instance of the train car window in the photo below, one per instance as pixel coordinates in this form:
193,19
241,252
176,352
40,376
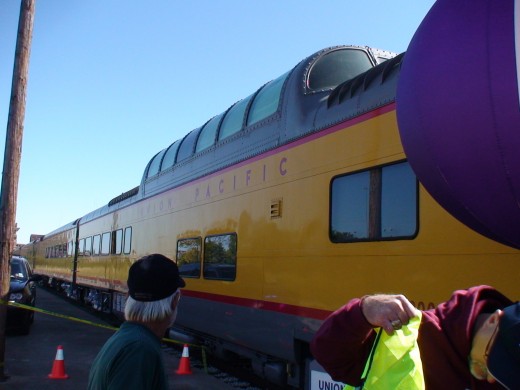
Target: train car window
70,248
399,201
81,247
187,147
188,257
170,156
96,245
335,67
220,257
127,241
88,246
374,205
105,243
234,119
266,101
153,169
208,134
117,242
348,222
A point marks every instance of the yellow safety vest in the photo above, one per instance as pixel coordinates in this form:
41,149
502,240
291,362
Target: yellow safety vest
395,361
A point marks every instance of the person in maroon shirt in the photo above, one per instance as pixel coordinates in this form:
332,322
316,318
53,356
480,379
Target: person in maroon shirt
471,341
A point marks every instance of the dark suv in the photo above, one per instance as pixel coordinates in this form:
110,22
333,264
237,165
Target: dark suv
22,290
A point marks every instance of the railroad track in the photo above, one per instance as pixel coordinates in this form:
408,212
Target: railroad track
236,372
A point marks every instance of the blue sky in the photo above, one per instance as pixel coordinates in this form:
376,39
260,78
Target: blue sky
113,82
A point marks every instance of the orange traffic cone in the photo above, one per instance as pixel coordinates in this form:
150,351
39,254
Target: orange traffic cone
58,368
184,364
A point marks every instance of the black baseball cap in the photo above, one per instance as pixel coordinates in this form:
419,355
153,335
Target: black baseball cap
504,357
153,277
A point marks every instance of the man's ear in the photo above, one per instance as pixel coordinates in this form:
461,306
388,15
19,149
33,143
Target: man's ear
175,302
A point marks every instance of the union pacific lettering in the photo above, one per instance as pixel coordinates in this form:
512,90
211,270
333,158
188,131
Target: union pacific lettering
224,183
322,385
320,380
248,177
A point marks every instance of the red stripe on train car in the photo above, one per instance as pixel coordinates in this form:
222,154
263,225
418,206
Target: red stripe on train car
279,307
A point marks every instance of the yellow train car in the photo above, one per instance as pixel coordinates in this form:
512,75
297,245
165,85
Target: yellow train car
52,253
278,211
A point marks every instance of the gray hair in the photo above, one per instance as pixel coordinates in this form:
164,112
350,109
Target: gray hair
149,311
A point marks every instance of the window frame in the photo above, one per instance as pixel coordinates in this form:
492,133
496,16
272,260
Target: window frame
375,207
199,257
205,266
258,108
155,164
208,134
127,240
323,60
96,245
116,246
228,124
170,156
106,241
88,246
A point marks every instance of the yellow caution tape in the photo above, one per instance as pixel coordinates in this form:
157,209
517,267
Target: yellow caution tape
50,313
27,307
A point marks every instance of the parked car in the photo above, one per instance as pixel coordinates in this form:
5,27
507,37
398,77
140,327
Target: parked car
22,290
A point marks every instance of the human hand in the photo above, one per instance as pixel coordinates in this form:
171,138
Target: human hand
389,312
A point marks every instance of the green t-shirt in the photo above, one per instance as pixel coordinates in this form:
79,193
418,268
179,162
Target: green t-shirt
130,359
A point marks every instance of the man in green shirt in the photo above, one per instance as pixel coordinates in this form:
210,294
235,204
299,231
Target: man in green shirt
132,358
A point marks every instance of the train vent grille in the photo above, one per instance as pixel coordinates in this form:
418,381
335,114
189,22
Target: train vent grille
276,208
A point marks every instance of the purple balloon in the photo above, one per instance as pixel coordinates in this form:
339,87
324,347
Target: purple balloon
458,113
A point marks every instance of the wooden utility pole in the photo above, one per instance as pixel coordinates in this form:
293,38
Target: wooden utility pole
13,152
